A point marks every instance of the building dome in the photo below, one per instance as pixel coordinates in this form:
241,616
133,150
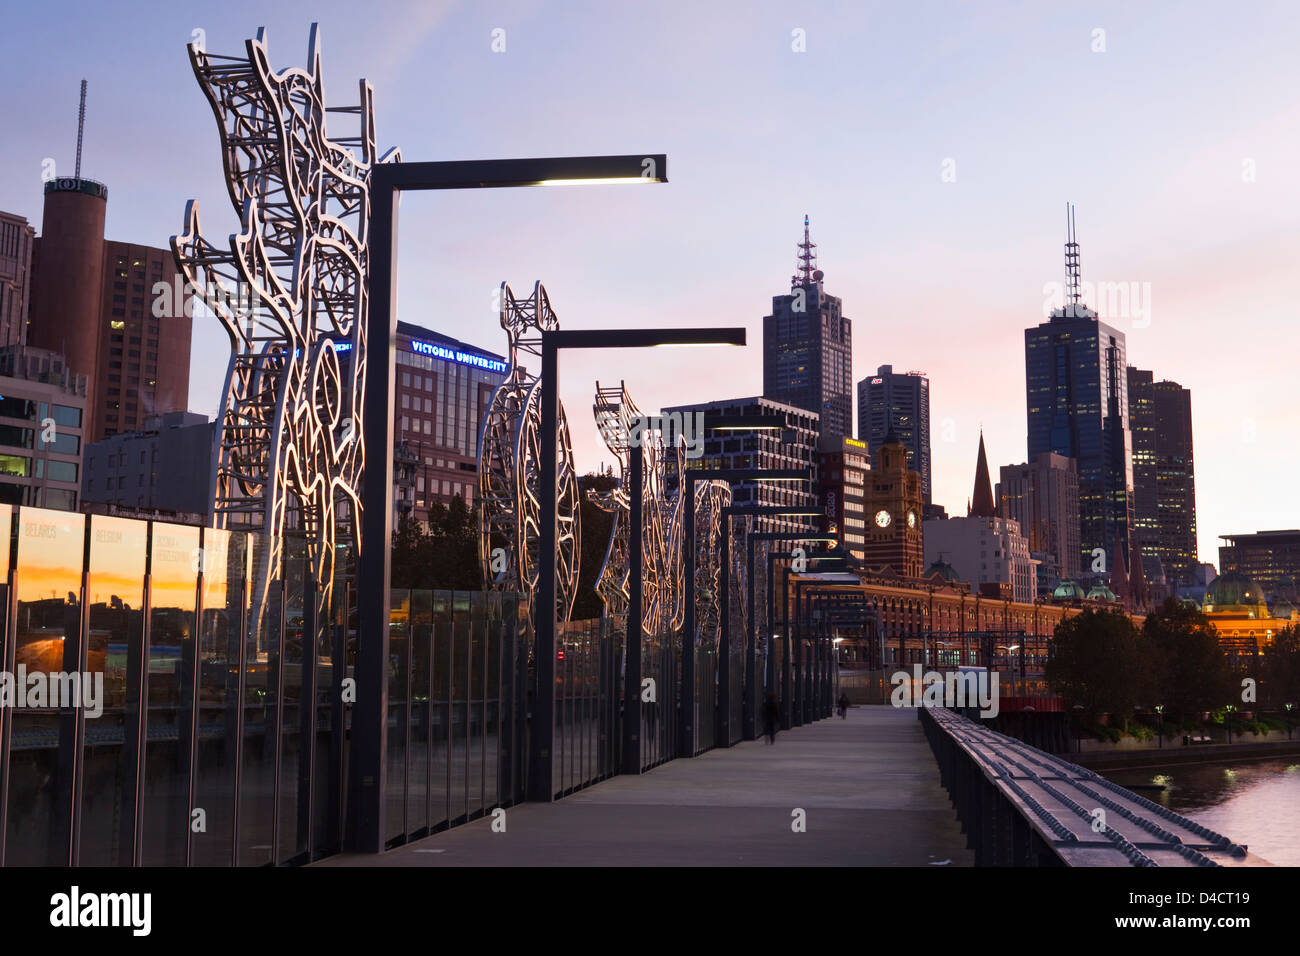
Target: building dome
1099,592
1068,590
1235,590
944,570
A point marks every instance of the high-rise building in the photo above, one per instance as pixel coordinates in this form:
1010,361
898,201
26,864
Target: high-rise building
1270,557
1043,497
16,239
842,469
1164,481
792,447
443,388
893,506
1077,406
119,311
42,410
808,348
901,401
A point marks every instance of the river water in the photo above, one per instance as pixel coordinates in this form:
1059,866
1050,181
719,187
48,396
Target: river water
1255,802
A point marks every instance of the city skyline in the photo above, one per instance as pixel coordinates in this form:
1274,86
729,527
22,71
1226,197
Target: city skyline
910,254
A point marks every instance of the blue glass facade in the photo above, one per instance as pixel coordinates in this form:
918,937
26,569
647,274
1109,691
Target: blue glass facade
1077,405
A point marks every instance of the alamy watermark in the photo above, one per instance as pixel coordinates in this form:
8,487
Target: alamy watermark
53,690
962,688
670,426
1112,301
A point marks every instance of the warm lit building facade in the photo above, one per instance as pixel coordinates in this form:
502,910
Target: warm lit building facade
893,506
842,470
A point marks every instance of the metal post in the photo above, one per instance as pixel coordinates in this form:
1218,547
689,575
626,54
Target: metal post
722,725
686,735
543,727
370,716
632,676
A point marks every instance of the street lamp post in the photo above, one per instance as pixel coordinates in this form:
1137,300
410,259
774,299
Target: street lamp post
724,650
387,182
1160,724
540,769
686,746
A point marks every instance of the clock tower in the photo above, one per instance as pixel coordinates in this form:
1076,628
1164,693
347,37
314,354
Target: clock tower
893,503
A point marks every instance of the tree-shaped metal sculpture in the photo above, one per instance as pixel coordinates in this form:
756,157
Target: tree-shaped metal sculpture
509,453
290,290
663,517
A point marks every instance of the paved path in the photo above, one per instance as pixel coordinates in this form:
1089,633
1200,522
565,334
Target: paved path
869,786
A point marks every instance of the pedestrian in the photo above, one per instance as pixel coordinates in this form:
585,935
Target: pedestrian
844,705
771,713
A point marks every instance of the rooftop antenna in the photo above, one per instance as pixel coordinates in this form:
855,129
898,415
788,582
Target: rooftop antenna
81,126
1071,257
807,259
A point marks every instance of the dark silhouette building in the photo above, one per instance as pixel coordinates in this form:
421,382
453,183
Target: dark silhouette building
16,240
807,348
901,401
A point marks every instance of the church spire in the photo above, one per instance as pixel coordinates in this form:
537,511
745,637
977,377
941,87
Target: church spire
982,500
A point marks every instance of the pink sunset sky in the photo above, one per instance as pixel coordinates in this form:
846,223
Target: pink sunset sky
1178,142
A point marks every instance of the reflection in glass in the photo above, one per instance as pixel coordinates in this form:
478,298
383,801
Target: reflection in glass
173,577
47,581
223,566
398,695
115,595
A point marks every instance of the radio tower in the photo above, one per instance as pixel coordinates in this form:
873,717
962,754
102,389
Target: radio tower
807,271
1071,258
81,126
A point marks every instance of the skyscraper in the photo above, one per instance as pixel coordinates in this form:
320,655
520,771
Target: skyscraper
901,401
1164,485
807,348
1077,406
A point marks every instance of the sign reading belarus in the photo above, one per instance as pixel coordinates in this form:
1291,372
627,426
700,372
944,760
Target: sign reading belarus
464,358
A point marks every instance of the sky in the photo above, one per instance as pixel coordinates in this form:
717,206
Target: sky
933,145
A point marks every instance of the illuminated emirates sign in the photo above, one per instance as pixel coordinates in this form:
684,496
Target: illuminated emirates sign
454,355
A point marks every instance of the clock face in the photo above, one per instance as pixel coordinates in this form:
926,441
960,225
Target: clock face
882,518
911,519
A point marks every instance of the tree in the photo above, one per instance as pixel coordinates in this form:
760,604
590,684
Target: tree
439,554
1094,663
1186,669
1280,670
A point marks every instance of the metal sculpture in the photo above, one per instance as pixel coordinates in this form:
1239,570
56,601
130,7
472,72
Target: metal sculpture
663,516
509,452
290,290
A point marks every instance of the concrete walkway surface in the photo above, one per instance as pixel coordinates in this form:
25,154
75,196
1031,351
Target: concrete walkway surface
868,786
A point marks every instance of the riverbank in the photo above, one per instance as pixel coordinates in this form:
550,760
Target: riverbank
1100,760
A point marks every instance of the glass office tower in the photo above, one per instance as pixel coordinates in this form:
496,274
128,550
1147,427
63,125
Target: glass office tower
1076,391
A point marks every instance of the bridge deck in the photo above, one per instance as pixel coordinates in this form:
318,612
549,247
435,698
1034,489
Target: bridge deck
1086,819
869,786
